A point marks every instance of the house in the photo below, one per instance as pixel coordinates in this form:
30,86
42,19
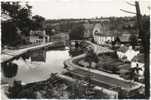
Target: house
126,53
124,38
121,39
102,35
138,61
38,36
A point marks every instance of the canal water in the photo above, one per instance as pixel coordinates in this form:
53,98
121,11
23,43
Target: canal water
29,71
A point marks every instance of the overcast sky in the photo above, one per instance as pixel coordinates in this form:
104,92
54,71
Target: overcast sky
56,9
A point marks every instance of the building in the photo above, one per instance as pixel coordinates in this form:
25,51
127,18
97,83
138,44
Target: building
38,36
102,35
126,53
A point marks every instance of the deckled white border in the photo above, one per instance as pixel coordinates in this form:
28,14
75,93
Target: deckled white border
3,98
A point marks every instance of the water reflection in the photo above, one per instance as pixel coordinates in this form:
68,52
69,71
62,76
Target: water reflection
37,71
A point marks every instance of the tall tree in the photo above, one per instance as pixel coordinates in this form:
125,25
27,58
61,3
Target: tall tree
20,18
38,22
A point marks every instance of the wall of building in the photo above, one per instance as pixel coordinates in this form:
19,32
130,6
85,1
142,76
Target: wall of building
38,36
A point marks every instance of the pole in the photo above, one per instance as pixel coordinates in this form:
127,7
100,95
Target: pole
145,44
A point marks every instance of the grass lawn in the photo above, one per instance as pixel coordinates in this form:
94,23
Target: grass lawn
107,62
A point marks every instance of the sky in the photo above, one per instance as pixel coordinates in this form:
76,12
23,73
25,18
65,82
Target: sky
58,9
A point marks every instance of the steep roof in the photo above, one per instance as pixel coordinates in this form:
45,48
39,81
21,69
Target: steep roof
139,58
98,27
124,37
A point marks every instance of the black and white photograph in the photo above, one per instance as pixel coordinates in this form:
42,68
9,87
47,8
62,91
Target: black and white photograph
75,49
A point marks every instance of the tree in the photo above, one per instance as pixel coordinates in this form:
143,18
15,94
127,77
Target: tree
9,69
9,34
19,15
38,22
90,57
133,40
77,32
19,18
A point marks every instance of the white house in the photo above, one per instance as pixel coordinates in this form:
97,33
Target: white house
126,53
103,39
38,36
130,53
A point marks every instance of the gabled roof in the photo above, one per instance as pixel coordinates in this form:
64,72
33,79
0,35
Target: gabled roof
124,37
139,58
106,34
38,33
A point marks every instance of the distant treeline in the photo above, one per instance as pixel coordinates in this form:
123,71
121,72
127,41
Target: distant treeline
113,23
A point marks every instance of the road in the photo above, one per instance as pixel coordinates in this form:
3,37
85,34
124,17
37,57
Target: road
104,79
99,76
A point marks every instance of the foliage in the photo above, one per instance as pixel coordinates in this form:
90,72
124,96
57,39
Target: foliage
133,40
9,34
77,32
49,31
19,18
10,70
27,93
91,56
19,15
37,22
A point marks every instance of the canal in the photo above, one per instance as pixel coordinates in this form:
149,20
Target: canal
29,71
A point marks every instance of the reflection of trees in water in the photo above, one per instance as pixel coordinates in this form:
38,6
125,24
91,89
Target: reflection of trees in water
9,69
